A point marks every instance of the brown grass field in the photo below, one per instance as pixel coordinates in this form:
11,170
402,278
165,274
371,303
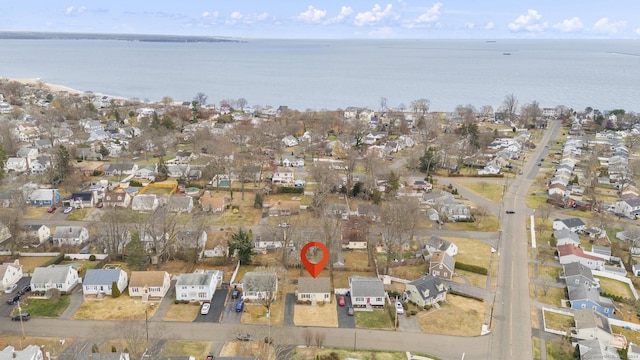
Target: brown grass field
472,251
341,278
31,262
459,316
319,315
121,308
256,313
181,312
615,287
197,349
557,321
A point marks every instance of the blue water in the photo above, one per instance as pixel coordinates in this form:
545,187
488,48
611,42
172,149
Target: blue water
332,74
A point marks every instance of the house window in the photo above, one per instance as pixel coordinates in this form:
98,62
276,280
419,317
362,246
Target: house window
379,299
359,299
202,295
584,306
135,290
306,296
440,267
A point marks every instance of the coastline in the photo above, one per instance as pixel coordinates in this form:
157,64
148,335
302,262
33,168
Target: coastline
55,88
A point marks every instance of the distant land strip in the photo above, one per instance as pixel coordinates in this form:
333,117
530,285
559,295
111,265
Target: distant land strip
30,35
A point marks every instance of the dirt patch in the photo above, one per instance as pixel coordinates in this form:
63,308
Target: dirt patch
319,315
121,308
459,316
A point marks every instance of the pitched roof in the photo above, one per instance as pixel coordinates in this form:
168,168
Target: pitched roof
146,278
570,249
428,286
179,202
309,285
259,281
589,318
366,286
575,269
101,276
566,233
53,274
441,257
196,279
438,243
68,232
572,222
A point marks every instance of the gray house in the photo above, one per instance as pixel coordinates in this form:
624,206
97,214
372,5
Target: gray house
425,291
366,291
100,281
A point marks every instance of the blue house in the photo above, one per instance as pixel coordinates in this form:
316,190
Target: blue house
584,296
44,197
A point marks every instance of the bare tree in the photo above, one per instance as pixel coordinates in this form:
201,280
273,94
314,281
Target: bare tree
201,98
486,111
531,114
325,180
399,219
114,233
320,337
307,335
510,106
265,284
545,211
420,106
330,230
241,103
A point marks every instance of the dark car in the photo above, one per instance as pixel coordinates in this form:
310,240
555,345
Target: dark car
21,317
52,209
350,311
235,294
25,289
244,337
510,212
13,300
239,306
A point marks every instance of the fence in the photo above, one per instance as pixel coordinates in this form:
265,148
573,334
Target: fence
613,276
172,188
544,321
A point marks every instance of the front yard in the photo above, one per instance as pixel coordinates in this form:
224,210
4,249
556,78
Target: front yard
319,315
557,321
121,308
182,312
458,316
256,313
44,307
376,319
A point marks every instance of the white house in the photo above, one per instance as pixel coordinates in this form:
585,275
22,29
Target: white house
180,204
10,273
16,164
100,281
570,253
425,291
144,202
628,207
40,233
283,175
70,235
366,291
63,278
566,236
315,290
149,284
289,141
436,243
574,224
259,285
30,352
198,286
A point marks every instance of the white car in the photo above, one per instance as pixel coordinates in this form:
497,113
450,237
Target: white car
205,308
11,288
399,308
67,210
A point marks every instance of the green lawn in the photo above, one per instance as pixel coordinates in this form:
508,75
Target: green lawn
376,319
534,201
45,307
490,223
615,287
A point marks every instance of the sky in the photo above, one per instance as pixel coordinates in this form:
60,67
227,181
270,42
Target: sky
333,19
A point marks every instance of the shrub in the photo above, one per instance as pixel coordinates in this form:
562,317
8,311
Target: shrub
176,301
454,292
67,258
471,268
135,183
290,190
92,257
413,312
115,292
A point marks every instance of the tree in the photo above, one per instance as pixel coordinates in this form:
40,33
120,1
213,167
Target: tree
265,283
241,103
201,99
3,160
257,203
163,170
137,257
399,219
420,106
325,179
430,161
242,242
62,164
510,106
103,151
115,292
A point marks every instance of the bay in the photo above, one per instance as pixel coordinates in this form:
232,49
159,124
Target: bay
332,74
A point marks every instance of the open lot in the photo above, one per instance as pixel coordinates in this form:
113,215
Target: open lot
472,251
121,308
459,316
182,312
319,315
487,189
557,321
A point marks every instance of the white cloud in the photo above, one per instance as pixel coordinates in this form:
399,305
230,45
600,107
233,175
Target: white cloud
312,15
638,31
210,14
605,27
376,15
69,10
81,9
431,15
345,11
569,25
529,22
489,25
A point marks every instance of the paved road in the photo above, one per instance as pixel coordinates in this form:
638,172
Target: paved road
511,337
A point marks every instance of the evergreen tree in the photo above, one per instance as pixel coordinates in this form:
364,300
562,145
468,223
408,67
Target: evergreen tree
103,151
63,163
3,159
136,255
242,242
163,171
258,202
115,292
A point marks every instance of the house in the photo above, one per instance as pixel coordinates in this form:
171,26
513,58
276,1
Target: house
30,352
180,204
633,352
37,233
116,198
259,285
91,125
566,236
314,290
198,286
28,152
147,172
283,175
570,253
70,235
590,325
575,274
355,234
219,249
120,169
366,291
292,161
43,144
5,234
436,243
100,281
586,297
629,207
40,165
214,203
149,284
144,202
284,208
337,210
557,189
16,164
63,278
10,273
192,241
289,141
574,224
178,170
425,291
83,199
267,241
597,350
455,211
441,265
370,211
44,197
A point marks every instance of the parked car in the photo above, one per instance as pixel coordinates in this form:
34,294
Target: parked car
100,205
52,209
25,289
9,289
205,308
399,308
23,317
350,311
341,301
239,306
510,212
244,337
67,210
235,294
13,300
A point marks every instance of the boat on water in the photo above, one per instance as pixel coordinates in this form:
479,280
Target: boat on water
506,53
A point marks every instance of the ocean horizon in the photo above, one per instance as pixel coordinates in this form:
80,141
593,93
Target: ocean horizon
336,74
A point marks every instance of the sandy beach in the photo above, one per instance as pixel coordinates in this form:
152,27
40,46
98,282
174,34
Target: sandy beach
52,87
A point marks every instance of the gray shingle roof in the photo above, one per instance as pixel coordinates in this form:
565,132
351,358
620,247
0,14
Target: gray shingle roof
195,279
589,318
575,269
101,276
366,287
309,285
67,232
429,283
55,274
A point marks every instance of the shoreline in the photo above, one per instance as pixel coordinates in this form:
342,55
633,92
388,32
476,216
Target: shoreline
38,82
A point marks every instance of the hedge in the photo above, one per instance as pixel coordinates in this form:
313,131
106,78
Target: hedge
472,268
454,292
56,260
290,190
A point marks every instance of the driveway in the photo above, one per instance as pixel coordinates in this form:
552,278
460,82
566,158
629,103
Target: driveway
6,309
289,306
229,314
344,320
217,306
408,324
75,301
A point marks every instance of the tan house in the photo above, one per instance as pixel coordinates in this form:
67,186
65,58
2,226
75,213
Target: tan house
149,284
284,208
212,202
316,290
117,198
442,265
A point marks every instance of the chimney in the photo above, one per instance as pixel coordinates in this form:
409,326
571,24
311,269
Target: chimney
14,355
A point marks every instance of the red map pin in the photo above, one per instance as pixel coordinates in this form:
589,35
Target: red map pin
314,269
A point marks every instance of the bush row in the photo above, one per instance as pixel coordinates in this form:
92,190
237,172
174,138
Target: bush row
471,268
454,292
